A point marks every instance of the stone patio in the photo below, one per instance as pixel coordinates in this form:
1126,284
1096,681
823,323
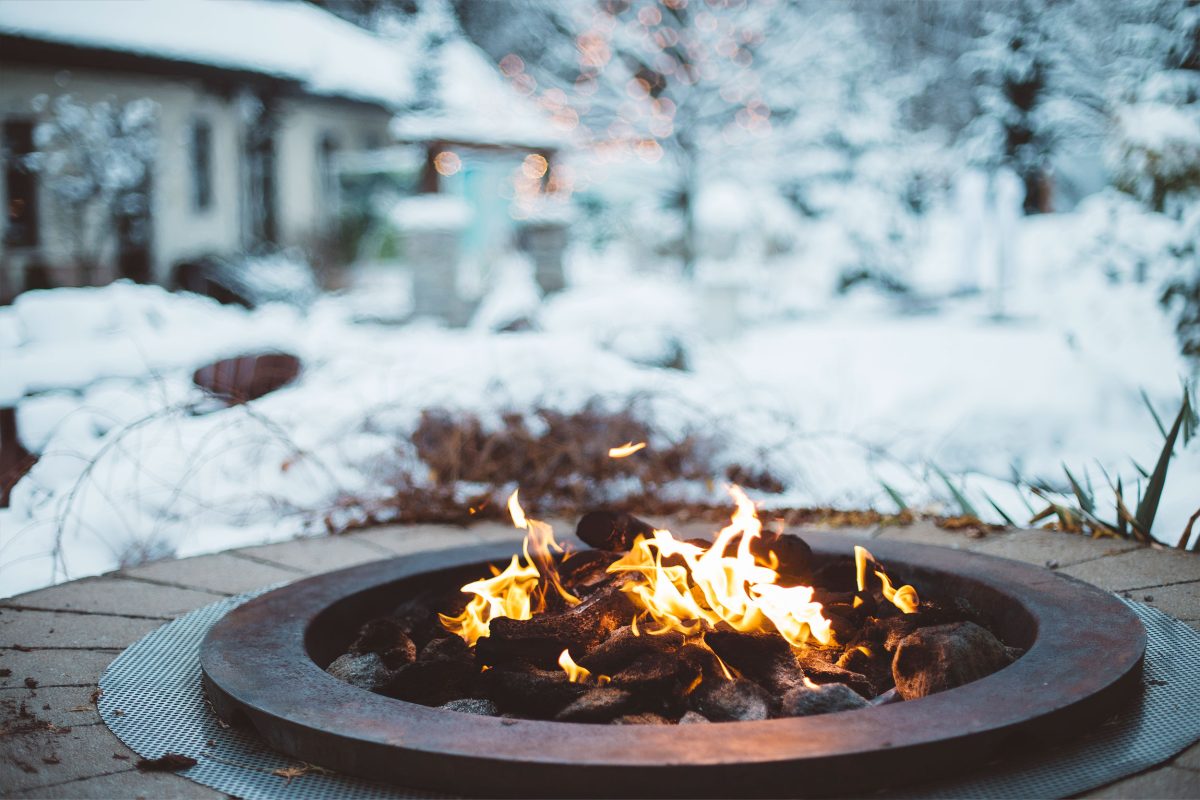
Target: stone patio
56,642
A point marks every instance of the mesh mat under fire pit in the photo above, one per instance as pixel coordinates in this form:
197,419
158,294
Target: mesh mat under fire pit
152,701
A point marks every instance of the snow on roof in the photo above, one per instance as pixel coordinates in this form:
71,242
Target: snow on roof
477,105
291,40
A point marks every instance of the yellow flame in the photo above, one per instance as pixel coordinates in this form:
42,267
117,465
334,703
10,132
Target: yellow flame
905,598
627,449
575,673
517,592
578,674
705,586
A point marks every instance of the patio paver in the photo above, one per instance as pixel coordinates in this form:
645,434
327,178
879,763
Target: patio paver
78,628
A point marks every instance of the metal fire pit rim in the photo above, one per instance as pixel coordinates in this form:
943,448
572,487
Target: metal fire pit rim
375,721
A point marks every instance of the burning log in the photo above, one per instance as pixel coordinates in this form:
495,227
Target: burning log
657,673
806,701
794,554
602,704
527,690
614,531
946,656
623,647
541,638
738,700
821,672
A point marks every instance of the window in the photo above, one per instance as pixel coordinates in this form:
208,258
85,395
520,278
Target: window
201,166
327,181
20,185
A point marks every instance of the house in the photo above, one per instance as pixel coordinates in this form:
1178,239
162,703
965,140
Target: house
181,129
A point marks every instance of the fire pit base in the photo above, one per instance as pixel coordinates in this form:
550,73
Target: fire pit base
153,702
263,664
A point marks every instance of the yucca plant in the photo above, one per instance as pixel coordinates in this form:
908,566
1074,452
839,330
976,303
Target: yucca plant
1082,516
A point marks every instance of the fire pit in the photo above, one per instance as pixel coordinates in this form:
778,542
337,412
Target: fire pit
1061,655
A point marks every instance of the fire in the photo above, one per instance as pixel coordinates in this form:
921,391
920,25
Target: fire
520,590
627,449
683,587
578,674
905,598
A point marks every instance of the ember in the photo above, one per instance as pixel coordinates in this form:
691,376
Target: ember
650,629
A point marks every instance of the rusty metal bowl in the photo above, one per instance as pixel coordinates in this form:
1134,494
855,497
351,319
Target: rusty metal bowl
263,665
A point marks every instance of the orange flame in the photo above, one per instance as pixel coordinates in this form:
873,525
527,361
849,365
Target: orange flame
627,449
683,586
905,598
578,674
520,590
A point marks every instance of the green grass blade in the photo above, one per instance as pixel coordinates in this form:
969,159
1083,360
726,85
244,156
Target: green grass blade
1153,413
963,503
897,498
1086,501
1148,506
1007,519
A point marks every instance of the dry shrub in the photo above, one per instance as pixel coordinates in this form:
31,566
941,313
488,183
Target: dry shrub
562,465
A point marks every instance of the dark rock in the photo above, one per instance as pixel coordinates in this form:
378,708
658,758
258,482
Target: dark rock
450,648
597,705
541,639
645,718
693,718
528,691
736,700
471,705
364,670
945,656
614,531
431,683
794,554
623,647
820,672
657,673
804,701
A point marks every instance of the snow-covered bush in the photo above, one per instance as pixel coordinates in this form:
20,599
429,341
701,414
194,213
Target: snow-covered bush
1156,151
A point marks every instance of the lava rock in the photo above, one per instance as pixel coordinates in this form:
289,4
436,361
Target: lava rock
794,554
623,647
602,704
431,683
449,648
645,718
657,673
614,531
471,705
694,718
821,672
364,670
832,697
944,657
737,700
527,690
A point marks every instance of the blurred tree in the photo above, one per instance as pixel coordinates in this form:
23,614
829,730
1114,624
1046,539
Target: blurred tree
669,80
95,162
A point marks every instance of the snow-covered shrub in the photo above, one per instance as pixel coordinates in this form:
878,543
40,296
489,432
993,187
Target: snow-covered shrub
1156,151
95,162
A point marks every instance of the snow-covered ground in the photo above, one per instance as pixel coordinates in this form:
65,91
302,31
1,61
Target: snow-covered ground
834,395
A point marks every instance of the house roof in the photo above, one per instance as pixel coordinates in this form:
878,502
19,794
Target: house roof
476,105
292,41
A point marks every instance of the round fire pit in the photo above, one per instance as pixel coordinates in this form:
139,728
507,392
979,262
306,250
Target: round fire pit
263,665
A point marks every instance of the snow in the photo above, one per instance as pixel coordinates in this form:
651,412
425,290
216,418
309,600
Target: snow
295,41
476,105
835,399
430,212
